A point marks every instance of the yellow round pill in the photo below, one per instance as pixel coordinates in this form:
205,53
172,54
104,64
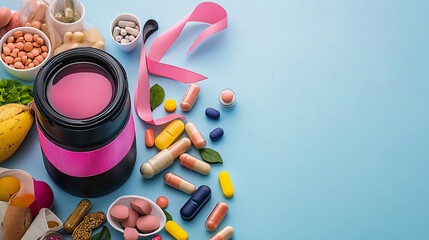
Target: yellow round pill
170,105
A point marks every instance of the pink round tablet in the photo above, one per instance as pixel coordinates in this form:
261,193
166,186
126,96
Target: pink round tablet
120,212
147,224
132,219
131,234
227,95
141,206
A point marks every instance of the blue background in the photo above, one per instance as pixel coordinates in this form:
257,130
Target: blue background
329,136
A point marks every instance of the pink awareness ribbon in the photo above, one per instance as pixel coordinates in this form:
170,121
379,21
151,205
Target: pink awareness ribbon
206,12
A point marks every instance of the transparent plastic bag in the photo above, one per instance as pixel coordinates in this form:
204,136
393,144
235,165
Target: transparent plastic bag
33,13
63,21
68,17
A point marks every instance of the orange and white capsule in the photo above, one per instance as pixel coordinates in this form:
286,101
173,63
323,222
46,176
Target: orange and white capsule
195,135
177,182
149,138
224,234
193,163
216,217
190,97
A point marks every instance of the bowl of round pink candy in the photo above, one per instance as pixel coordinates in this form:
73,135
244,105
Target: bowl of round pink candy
136,217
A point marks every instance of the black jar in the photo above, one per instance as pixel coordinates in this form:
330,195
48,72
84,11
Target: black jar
88,144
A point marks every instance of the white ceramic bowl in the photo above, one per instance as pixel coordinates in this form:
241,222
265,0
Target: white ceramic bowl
128,47
61,27
126,200
26,74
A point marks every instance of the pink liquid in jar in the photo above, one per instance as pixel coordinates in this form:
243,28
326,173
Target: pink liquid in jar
80,91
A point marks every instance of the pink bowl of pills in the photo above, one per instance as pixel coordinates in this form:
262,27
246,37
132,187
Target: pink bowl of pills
136,217
23,51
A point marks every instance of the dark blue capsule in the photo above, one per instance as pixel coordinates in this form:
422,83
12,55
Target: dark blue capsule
212,113
216,134
195,203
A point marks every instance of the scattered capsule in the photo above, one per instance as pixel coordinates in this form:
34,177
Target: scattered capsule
170,105
179,183
149,138
164,158
132,31
190,97
194,163
195,135
169,134
195,203
226,184
216,217
224,234
212,113
123,24
216,134
176,231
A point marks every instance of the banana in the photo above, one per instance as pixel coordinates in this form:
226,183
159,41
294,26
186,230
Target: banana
15,122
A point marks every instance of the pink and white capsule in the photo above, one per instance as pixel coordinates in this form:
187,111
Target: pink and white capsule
190,97
193,163
195,135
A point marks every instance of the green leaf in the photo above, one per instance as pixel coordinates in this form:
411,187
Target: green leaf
157,95
104,234
210,156
167,215
11,91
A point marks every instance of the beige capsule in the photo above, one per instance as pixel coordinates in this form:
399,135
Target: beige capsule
164,158
224,234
